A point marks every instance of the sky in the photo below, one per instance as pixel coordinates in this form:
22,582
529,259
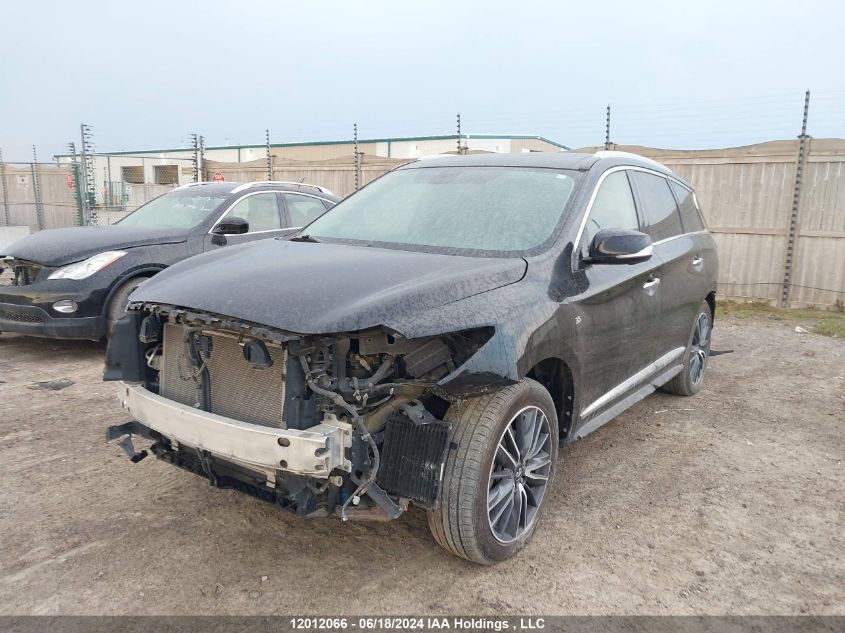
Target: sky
677,74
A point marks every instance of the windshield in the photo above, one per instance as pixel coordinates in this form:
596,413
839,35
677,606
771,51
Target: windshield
177,209
501,209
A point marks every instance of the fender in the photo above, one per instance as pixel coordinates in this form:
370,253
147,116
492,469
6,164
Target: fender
148,270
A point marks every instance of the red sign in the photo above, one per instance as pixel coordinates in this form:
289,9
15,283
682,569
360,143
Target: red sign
69,181
217,177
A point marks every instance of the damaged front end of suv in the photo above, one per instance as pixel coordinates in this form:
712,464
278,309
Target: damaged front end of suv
404,349
349,424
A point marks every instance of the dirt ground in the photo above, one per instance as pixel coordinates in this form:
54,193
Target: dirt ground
730,502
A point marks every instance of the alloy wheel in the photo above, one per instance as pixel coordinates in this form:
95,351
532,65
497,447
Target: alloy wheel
700,349
519,474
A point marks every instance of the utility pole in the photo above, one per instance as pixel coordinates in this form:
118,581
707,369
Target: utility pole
89,188
792,233
195,158
77,190
6,213
269,155
198,144
462,149
201,164
36,190
607,143
357,157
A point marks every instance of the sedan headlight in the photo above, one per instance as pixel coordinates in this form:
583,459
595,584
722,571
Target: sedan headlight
81,270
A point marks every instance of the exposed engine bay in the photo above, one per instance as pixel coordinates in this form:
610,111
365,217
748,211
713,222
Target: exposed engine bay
348,424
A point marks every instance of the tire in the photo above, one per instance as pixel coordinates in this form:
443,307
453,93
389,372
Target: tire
696,356
120,301
462,523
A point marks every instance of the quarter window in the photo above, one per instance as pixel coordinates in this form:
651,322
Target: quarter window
303,209
261,210
613,208
661,212
690,215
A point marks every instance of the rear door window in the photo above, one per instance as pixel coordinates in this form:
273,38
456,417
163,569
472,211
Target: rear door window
690,215
662,219
303,210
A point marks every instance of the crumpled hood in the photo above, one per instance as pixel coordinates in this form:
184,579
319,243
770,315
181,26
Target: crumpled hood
323,288
57,247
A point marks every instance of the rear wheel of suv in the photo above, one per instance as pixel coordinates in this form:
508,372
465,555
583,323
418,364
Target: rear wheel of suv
691,378
498,471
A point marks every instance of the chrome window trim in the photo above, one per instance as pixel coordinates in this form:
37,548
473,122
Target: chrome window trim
674,237
239,200
256,183
589,210
592,200
632,381
310,195
255,193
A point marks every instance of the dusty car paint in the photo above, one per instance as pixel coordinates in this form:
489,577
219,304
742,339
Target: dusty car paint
598,337
28,309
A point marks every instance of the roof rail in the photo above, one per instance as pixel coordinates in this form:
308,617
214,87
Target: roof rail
185,186
195,184
301,185
616,154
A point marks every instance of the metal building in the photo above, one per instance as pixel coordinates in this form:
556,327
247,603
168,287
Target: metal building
176,166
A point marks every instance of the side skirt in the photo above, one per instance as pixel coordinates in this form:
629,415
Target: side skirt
606,416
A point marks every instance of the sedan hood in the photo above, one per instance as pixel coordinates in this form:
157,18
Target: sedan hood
57,247
320,288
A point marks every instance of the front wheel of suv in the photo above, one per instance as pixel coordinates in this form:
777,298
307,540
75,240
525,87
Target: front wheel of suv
498,472
691,378
120,301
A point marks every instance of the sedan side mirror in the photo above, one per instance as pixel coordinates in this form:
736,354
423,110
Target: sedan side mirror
231,226
617,246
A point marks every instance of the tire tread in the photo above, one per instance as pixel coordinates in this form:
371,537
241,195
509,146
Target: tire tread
475,420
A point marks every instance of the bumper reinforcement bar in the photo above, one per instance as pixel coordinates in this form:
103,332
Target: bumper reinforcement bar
313,452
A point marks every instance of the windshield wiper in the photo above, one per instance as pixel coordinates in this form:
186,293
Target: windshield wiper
305,238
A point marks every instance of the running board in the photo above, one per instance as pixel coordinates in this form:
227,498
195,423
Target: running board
605,417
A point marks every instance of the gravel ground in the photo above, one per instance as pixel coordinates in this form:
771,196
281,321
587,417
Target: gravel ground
730,502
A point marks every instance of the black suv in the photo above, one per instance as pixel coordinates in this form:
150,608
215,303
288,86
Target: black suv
430,341
74,282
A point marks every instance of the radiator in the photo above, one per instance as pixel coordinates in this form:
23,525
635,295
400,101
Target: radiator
238,390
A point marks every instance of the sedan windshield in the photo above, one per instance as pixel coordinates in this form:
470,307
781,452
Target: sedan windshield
499,209
177,209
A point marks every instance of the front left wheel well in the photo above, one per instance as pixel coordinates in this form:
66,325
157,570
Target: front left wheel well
556,377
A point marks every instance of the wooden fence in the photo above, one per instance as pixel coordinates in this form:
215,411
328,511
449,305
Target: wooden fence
336,174
746,194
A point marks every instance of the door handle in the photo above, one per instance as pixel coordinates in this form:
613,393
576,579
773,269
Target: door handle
697,261
650,286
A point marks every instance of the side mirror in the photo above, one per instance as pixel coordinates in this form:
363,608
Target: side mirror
617,246
231,226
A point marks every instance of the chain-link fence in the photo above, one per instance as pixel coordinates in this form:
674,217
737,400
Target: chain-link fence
37,195
46,196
